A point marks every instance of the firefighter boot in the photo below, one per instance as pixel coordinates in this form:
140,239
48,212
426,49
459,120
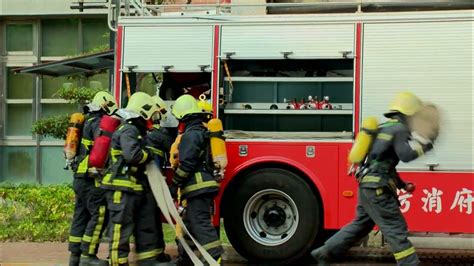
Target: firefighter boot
92,261
163,257
321,256
184,261
74,260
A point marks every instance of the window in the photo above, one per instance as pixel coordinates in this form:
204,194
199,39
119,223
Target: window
19,86
60,37
17,164
99,81
19,112
54,109
52,84
19,37
19,119
51,104
52,162
95,34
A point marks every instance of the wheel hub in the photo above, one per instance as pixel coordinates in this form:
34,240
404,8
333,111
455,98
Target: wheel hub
274,216
271,217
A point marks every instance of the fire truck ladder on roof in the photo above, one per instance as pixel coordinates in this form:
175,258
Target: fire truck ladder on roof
118,8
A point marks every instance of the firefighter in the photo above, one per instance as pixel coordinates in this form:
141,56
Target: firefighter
194,178
89,210
378,182
129,196
158,142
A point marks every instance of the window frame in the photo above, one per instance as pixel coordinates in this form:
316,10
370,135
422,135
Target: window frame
33,51
6,102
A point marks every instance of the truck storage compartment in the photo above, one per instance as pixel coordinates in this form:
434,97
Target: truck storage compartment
274,95
304,41
170,48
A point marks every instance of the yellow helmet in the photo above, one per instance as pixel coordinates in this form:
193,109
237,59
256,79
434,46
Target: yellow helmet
205,106
406,103
105,101
142,104
161,105
185,105
159,102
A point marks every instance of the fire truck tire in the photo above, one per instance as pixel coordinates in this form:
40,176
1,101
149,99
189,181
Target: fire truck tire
273,216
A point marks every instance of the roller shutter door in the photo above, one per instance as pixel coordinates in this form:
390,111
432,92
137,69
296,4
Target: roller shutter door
152,49
433,60
301,41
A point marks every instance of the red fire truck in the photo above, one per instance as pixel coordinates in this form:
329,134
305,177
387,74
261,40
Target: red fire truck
286,186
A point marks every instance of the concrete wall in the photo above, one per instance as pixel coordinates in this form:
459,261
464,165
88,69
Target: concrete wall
41,7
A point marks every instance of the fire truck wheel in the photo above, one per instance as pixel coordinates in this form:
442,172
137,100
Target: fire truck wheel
273,216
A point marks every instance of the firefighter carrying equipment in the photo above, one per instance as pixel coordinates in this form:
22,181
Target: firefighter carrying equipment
129,156
163,197
185,105
142,105
103,101
73,136
217,142
195,173
405,103
99,152
364,140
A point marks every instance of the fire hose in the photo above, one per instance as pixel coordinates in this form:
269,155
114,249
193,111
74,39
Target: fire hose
164,200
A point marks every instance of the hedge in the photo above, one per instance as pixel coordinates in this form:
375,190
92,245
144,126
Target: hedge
35,213
43,213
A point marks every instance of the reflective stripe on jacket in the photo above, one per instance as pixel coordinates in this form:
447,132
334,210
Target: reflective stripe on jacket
129,156
193,175
90,131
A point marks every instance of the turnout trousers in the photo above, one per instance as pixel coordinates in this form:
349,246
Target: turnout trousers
134,214
97,223
89,218
197,219
376,206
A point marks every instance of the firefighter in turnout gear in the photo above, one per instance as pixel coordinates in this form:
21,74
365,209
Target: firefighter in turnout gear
195,179
158,142
129,197
378,183
158,139
88,220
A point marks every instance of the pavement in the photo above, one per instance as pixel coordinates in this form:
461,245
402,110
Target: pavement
56,254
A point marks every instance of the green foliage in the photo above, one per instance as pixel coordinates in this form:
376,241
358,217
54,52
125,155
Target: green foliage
55,126
80,95
35,213
44,213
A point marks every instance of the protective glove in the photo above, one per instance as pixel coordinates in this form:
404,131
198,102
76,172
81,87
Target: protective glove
420,138
173,190
410,187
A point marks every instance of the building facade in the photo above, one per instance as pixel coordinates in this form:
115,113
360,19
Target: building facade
33,32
